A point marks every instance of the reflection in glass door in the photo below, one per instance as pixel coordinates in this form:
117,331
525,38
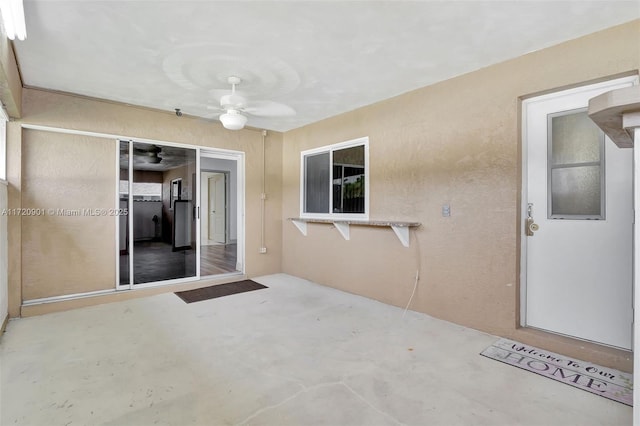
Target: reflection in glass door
158,239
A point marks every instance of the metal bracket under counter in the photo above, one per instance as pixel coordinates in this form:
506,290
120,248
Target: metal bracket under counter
401,229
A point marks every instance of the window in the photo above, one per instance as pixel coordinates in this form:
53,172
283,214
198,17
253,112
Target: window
334,181
575,166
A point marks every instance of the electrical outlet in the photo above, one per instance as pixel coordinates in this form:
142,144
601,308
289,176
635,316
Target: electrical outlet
262,250
446,210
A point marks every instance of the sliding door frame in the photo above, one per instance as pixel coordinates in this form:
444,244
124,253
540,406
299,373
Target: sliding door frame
237,156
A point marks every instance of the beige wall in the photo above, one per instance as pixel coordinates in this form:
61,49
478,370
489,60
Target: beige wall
456,143
64,174
4,252
77,113
11,89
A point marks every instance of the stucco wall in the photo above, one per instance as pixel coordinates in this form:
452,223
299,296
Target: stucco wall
77,113
11,89
4,295
65,174
456,143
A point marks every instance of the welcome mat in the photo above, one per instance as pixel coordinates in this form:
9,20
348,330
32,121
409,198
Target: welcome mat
219,290
603,381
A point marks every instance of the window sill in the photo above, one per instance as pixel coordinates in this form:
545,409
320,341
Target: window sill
401,229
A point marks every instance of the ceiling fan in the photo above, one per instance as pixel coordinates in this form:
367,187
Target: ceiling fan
150,154
235,108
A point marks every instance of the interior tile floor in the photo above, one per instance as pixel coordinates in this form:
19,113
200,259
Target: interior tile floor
296,353
157,261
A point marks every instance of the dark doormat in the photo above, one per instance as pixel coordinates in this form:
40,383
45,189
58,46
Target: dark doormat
218,290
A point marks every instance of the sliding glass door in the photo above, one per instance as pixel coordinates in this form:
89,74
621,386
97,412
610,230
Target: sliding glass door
157,239
219,246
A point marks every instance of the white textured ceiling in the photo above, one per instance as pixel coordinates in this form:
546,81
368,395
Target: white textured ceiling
320,58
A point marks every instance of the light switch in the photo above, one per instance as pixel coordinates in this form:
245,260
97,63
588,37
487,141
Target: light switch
446,210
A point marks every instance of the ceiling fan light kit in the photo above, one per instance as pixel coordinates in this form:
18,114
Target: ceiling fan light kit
236,109
233,120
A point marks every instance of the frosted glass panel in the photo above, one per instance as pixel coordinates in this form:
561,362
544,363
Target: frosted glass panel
316,179
576,191
574,139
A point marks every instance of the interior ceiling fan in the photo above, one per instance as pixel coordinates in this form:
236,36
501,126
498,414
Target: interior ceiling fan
150,154
235,108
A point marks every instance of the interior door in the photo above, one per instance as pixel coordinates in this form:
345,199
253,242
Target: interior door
578,221
218,208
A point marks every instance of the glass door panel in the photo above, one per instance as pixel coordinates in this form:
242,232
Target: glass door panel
164,219
158,238
219,216
123,225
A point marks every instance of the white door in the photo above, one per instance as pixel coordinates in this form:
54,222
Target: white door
217,208
577,258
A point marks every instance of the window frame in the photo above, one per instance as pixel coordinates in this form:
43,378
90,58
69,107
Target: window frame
550,167
362,141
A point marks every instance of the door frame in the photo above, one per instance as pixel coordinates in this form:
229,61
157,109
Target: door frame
227,188
200,151
610,84
239,158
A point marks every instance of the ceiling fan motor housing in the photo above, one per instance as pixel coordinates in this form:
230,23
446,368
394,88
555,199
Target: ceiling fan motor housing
232,101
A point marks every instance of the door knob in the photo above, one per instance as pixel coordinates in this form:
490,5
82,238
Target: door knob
529,225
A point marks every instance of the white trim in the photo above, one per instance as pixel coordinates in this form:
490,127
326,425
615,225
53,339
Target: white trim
636,277
130,232
197,207
241,199
4,182
609,84
602,86
239,158
117,218
164,282
124,138
74,296
364,141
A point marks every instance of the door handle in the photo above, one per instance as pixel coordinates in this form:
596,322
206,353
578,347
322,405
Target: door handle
529,224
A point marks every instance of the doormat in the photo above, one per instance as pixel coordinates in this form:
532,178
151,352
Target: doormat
211,292
603,381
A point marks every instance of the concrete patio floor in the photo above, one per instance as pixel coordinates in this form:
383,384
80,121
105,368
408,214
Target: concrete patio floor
296,353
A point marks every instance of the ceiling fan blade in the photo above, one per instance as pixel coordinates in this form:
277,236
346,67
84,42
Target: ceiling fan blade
269,109
213,116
